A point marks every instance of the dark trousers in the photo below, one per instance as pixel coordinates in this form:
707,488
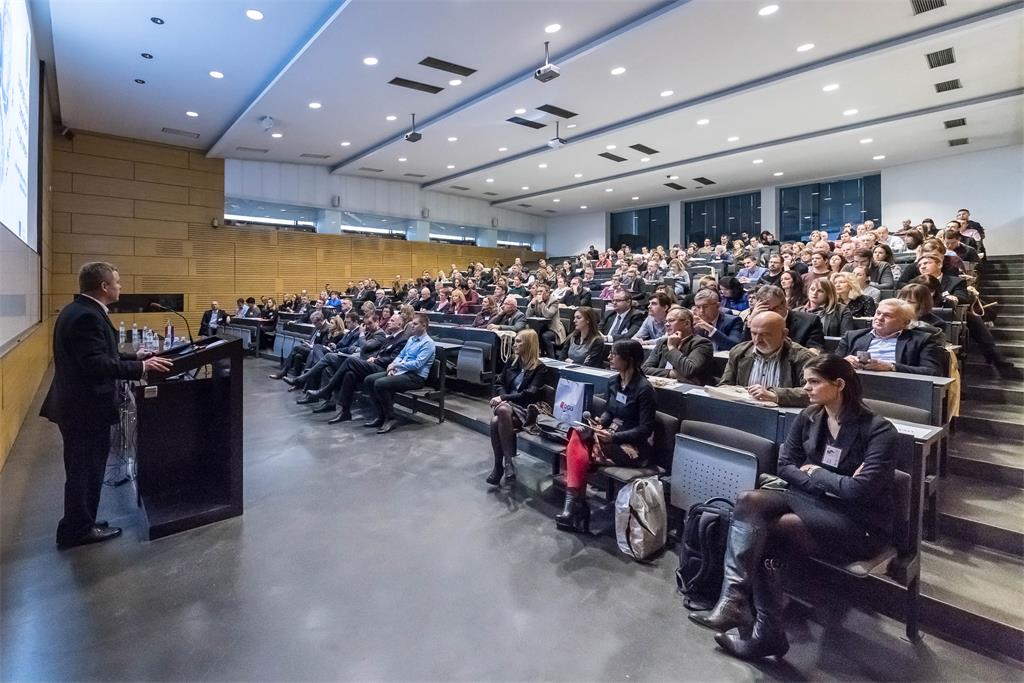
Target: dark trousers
85,461
295,361
547,343
381,388
351,374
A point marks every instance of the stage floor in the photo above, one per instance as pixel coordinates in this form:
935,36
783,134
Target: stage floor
365,557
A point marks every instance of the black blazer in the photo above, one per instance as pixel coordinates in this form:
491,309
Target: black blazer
634,320
805,329
87,366
385,350
956,286
865,439
636,417
424,305
530,390
917,351
584,298
834,324
204,324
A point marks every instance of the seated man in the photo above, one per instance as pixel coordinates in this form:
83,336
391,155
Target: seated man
681,354
622,321
723,330
212,319
751,272
653,326
774,272
509,318
770,366
425,302
356,338
804,328
408,371
890,344
578,294
297,358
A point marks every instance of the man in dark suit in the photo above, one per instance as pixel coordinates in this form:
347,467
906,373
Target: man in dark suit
83,399
892,346
804,328
622,321
578,294
212,319
509,317
681,354
296,360
723,330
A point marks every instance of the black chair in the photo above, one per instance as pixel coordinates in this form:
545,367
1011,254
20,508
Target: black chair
432,390
763,449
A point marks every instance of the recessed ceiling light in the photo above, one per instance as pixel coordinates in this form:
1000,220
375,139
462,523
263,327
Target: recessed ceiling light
503,149
635,198
284,209
609,147
556,200
146,55
571,125
768,10
402,159
866,141
777,174
552,28
191,114
831,87
346,143
673,177
525,187
254,14
520,110
668,93
703,122
216,74
542,165
757,161
849,112
277,135
805,47
453,139
157,20
609,189
577,175
489,180
733,138
390,117
455,82
140,81
583,206
315,105
618,71
644,160
878,157
450,166
370,61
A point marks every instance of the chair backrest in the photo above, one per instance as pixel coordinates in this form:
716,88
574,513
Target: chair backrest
901,525
898,411
763,449
702,470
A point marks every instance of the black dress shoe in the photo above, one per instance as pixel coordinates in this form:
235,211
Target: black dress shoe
386,427
95,534
325,408
343,416
374,424
279,375
305,400
291,381
102,523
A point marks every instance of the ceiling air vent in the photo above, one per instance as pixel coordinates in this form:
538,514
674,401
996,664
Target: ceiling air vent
955,123
371,170
415,85
676,186
525,206
922,6
550,211
557,111
644,149
940,58
458,187
450,67
704,181
526,122
958,141
254,150
178,131
414,175
611,157
946,86
309,155
491,194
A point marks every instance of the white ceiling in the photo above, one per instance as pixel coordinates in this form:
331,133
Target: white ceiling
722,61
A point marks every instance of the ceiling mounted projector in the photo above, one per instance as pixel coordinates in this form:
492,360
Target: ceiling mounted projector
267,122
557,141
412,135
549,71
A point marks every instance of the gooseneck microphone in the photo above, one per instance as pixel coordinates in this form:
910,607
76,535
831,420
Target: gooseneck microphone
159,307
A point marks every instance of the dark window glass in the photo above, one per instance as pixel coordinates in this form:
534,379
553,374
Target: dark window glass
640,228
712,218
828,206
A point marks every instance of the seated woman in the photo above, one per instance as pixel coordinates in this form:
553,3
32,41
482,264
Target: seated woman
793,285
585,345
836,262
882,258
443,304
922,296
623,435
734,298
542,305
459,304
849,293
608,293
823,302
838,464
677,270
561,288
268,324
520,385
487,311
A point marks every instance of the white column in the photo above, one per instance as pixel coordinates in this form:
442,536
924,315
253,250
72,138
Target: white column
769,210
675,223
486,237
328,222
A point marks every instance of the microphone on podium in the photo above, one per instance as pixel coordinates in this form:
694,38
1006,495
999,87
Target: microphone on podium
160,307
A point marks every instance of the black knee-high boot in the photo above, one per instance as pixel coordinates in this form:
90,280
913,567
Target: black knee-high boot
769,636
742,556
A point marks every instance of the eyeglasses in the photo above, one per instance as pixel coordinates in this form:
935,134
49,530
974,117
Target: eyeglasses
619,301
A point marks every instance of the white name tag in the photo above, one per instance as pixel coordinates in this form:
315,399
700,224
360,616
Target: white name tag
832,455
620,397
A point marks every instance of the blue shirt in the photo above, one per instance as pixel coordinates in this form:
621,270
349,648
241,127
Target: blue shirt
753,274
417,356
883,349
334,301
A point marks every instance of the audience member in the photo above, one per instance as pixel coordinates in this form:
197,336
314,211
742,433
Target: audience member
519,387
823,302
585,346
408,371
803,328
733,296
543,305
848,291
300,352
723,330
212,319
771,365
681,354
509,318
891,344
622,321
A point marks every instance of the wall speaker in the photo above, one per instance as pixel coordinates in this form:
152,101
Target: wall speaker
424,213
494,222
336,201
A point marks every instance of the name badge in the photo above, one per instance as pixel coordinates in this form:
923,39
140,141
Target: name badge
620,397
832,455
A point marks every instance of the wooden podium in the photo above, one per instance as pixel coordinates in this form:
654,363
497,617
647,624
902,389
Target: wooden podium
189,439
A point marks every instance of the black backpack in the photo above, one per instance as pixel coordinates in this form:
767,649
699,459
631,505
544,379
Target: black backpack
702,552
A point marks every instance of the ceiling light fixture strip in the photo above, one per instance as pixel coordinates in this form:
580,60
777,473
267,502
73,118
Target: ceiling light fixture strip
981,99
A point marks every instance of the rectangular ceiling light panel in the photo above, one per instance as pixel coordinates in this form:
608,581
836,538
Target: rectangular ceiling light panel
309,155
519,120
940,58
414,175
450,67
415,85
371,170
491,194
458,187
525,206
611,157
254,150
557,111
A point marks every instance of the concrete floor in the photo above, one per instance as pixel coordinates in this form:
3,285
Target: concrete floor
379,558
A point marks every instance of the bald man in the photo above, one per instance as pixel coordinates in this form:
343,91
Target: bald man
770,365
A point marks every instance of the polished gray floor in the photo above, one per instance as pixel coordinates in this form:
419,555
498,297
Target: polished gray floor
379,558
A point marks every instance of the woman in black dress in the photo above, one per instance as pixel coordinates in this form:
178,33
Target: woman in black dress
838,464
520,385
623,435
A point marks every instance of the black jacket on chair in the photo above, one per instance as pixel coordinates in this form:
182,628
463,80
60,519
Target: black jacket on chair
917,351
805,329
529,390
87,366
204,325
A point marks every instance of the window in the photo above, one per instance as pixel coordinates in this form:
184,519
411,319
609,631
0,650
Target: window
640,228
827,206
452,234
712,218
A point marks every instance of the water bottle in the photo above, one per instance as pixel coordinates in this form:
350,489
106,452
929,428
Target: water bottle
136,341
168,334
144,340
121,334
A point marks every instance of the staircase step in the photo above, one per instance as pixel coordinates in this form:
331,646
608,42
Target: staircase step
987,459
1002,333
983,513
1007,309
993,420
1006,258
1006,393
